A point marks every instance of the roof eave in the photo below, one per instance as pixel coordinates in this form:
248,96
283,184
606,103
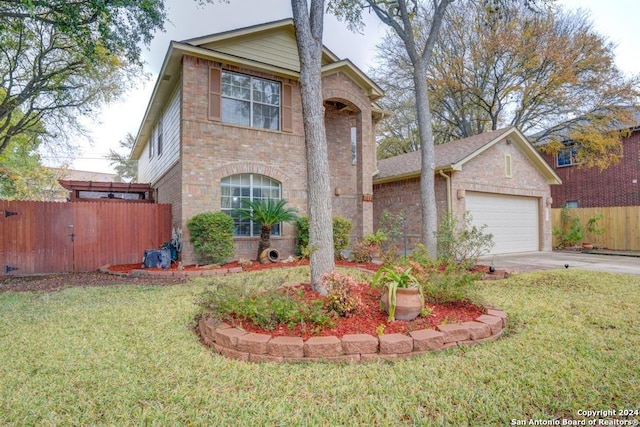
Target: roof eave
372,90
170,62
408,175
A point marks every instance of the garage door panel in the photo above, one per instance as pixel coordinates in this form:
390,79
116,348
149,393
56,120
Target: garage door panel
512,220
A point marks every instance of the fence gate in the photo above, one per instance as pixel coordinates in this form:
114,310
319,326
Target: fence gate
50,237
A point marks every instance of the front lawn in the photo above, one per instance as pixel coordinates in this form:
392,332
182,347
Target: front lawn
123,355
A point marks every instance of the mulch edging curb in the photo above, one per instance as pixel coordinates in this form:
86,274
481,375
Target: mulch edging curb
236,343
497,275
173,273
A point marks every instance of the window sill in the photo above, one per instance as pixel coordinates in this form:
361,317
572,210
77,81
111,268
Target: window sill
251,127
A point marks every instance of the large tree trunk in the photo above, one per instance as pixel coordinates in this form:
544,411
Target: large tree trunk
308,26
399,15
427,170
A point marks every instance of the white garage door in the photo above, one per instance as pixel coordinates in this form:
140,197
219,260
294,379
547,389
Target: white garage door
512,220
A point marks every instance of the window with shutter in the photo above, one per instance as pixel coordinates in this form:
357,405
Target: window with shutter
249,101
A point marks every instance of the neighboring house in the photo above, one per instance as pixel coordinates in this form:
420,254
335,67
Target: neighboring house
224,124
86,191
78,175
497,176
584,187
65,174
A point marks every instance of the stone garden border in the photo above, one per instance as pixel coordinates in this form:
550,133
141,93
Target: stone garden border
236,343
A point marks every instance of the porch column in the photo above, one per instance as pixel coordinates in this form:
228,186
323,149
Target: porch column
365,143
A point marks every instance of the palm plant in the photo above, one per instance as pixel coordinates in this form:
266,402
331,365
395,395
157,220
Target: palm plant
267,213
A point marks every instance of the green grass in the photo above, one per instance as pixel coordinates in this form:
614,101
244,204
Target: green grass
127,356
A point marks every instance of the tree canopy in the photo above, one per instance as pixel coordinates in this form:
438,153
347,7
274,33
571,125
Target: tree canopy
60,60
125,167
545,71
22,177
120,27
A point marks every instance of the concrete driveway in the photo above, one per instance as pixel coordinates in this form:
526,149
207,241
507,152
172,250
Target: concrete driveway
534,261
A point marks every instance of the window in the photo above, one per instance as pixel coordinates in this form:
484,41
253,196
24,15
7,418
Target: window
354,145
151,145
571,204
160,136
567,155
246,186
250,101
507,166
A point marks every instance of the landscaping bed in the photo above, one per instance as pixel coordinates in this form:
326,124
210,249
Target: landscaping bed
234,266
369,319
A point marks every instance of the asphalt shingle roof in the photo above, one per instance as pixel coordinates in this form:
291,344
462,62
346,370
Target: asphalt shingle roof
446,155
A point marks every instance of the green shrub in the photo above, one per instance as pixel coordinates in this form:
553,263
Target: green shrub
339,297
267,308
212,236
341,230
462,242
449,283
570,232
378,238
302,234
442,281
391,224
363,252
369,247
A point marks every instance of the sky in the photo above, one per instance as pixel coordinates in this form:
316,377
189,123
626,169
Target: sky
615,19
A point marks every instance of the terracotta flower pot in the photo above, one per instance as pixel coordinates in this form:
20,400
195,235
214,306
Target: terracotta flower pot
409,303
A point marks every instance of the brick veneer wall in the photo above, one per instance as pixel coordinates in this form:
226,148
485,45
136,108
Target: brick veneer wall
403,198
212,150
239,344
354,181
168,191
618,185
484,173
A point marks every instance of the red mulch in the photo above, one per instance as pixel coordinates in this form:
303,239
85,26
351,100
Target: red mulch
369,317
253,266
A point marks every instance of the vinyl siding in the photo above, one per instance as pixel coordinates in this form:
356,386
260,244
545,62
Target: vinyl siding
150,170
278,49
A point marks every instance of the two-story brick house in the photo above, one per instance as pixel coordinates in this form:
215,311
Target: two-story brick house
224,123
584,187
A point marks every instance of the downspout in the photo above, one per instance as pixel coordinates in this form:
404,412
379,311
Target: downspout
449,199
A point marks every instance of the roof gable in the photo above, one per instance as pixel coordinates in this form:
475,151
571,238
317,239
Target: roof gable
269,48
453,155
273,43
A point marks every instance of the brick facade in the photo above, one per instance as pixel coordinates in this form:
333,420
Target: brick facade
168,190
484,173
211,150
617,185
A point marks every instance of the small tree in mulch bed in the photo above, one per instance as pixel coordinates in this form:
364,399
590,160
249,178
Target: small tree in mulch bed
267,213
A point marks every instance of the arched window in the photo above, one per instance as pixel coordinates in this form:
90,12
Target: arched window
248,186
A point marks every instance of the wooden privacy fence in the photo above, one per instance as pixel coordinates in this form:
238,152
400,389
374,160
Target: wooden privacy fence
50,237
622,224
